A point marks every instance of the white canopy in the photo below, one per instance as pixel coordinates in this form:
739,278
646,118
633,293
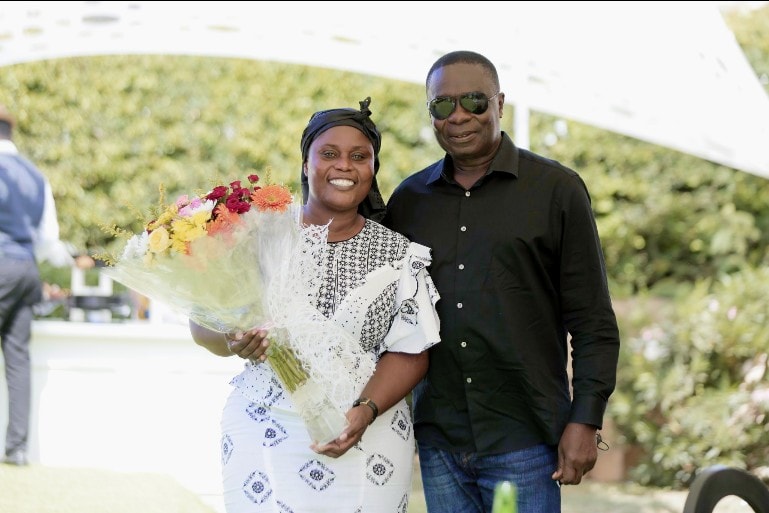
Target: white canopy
670,73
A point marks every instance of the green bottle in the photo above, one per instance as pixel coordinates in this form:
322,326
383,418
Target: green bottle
505,500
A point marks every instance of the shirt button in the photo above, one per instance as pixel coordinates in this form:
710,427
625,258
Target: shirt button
459,305
461,267
463,229
467,194
469,380
463,344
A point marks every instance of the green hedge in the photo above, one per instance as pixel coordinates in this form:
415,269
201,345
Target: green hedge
693,386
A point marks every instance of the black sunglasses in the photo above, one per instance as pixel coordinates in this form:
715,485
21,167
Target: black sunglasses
441,107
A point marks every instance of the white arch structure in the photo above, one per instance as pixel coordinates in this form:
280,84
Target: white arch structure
670,73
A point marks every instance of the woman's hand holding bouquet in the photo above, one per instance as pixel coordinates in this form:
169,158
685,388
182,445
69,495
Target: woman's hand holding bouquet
236,258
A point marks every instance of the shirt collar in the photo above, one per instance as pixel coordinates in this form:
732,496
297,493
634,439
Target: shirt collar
506,161
7,147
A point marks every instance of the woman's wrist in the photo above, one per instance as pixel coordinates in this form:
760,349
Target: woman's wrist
368,402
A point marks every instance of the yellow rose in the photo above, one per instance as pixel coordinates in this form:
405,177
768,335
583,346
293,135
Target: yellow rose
186,230
159,240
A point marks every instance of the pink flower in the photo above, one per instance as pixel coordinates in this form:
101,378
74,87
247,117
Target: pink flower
191,208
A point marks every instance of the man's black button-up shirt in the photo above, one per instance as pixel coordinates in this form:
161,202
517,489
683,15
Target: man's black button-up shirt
518,263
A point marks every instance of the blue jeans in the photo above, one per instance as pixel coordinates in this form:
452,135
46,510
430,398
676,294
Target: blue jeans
460,482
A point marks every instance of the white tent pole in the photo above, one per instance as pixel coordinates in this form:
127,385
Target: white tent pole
522,115
521,127
518,96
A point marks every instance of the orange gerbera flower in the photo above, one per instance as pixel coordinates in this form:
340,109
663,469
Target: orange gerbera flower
275,198
223,221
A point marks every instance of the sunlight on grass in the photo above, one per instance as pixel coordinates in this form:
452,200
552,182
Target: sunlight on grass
38,489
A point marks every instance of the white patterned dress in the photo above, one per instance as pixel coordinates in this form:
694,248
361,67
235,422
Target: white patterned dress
376,287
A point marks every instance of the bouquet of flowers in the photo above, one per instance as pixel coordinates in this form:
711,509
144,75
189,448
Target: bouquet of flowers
236,258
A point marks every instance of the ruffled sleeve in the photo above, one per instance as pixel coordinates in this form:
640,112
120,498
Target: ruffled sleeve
415,326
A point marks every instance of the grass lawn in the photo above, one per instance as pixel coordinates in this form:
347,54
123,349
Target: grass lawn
39,489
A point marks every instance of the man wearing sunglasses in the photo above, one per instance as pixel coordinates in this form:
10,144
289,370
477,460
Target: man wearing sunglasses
518,263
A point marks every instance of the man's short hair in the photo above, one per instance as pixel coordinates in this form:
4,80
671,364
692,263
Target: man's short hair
5,115
6,122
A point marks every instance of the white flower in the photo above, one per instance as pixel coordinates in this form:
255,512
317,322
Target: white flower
136,246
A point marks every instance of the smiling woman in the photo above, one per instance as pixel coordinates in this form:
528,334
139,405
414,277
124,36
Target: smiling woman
374,287
357,163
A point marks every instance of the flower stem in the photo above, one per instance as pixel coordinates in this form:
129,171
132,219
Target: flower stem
285,363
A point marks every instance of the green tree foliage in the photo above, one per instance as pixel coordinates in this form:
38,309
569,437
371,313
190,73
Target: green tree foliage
666,218
109,131
750,30
694,386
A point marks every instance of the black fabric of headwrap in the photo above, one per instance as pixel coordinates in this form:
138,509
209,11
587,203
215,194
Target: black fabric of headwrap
373,207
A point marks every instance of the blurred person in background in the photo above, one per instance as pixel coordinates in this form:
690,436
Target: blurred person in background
29,233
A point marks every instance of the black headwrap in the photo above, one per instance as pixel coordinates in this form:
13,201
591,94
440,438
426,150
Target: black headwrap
373,207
